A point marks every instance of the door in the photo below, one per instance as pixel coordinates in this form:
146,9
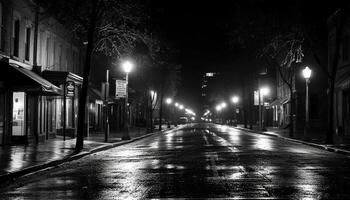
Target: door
18,114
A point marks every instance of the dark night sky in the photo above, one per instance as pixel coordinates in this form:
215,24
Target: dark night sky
199,30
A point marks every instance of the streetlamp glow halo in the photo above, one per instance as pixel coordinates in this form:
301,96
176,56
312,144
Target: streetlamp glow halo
127,66
307,72
234,99
168,100
223,105
264,91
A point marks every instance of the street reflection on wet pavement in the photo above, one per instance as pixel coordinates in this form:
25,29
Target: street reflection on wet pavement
196,161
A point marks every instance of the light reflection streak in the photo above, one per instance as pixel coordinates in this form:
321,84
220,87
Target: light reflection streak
263,143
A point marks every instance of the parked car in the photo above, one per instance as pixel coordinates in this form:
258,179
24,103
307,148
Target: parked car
183,120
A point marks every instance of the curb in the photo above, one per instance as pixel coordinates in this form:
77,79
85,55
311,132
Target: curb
32,169
319,146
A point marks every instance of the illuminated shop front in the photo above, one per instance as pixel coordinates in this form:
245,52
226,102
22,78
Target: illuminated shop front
21,94
67,103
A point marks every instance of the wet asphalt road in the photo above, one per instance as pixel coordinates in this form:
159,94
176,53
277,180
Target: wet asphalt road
196,161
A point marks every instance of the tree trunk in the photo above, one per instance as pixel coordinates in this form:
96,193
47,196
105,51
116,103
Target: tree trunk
161,107
83,95
291,118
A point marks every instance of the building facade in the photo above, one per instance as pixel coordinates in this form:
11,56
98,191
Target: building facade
340,21
317,95
40,64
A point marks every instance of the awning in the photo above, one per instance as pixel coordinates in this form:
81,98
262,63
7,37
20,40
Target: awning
22,79
61,77
280,101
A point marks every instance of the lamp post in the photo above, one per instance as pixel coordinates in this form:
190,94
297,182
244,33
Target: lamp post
234,100
169,101
218,108
306,74
153,96
127,67
262,92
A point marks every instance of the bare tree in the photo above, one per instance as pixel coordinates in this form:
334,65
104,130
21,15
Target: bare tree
108,26
282,53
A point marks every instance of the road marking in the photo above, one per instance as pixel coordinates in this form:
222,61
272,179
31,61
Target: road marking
212,156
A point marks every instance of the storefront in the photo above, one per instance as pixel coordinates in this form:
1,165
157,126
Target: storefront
66,105
20,92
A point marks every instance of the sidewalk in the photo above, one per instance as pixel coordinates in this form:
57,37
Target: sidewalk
117,136
18,160
315,138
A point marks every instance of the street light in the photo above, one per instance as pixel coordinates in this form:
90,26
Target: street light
127,68
264,91
307,74
234,100
223,104
181,107
168,100
218,108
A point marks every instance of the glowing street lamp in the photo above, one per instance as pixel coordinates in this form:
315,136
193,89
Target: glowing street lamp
181,107
218,108
223,104
306,74
264,91
235,100
168,101
127,67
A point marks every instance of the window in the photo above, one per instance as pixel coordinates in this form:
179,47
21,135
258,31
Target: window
209,74
27,43
16,29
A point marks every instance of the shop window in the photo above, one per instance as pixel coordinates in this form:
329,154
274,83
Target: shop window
59,111
60,114
27,43
51,115
69,113
16,29
18,114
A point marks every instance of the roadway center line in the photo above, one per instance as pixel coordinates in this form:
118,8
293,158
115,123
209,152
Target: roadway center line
212,156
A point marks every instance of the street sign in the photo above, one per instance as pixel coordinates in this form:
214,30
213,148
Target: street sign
70,89
120,89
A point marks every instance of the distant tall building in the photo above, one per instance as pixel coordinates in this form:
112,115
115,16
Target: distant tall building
206,87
